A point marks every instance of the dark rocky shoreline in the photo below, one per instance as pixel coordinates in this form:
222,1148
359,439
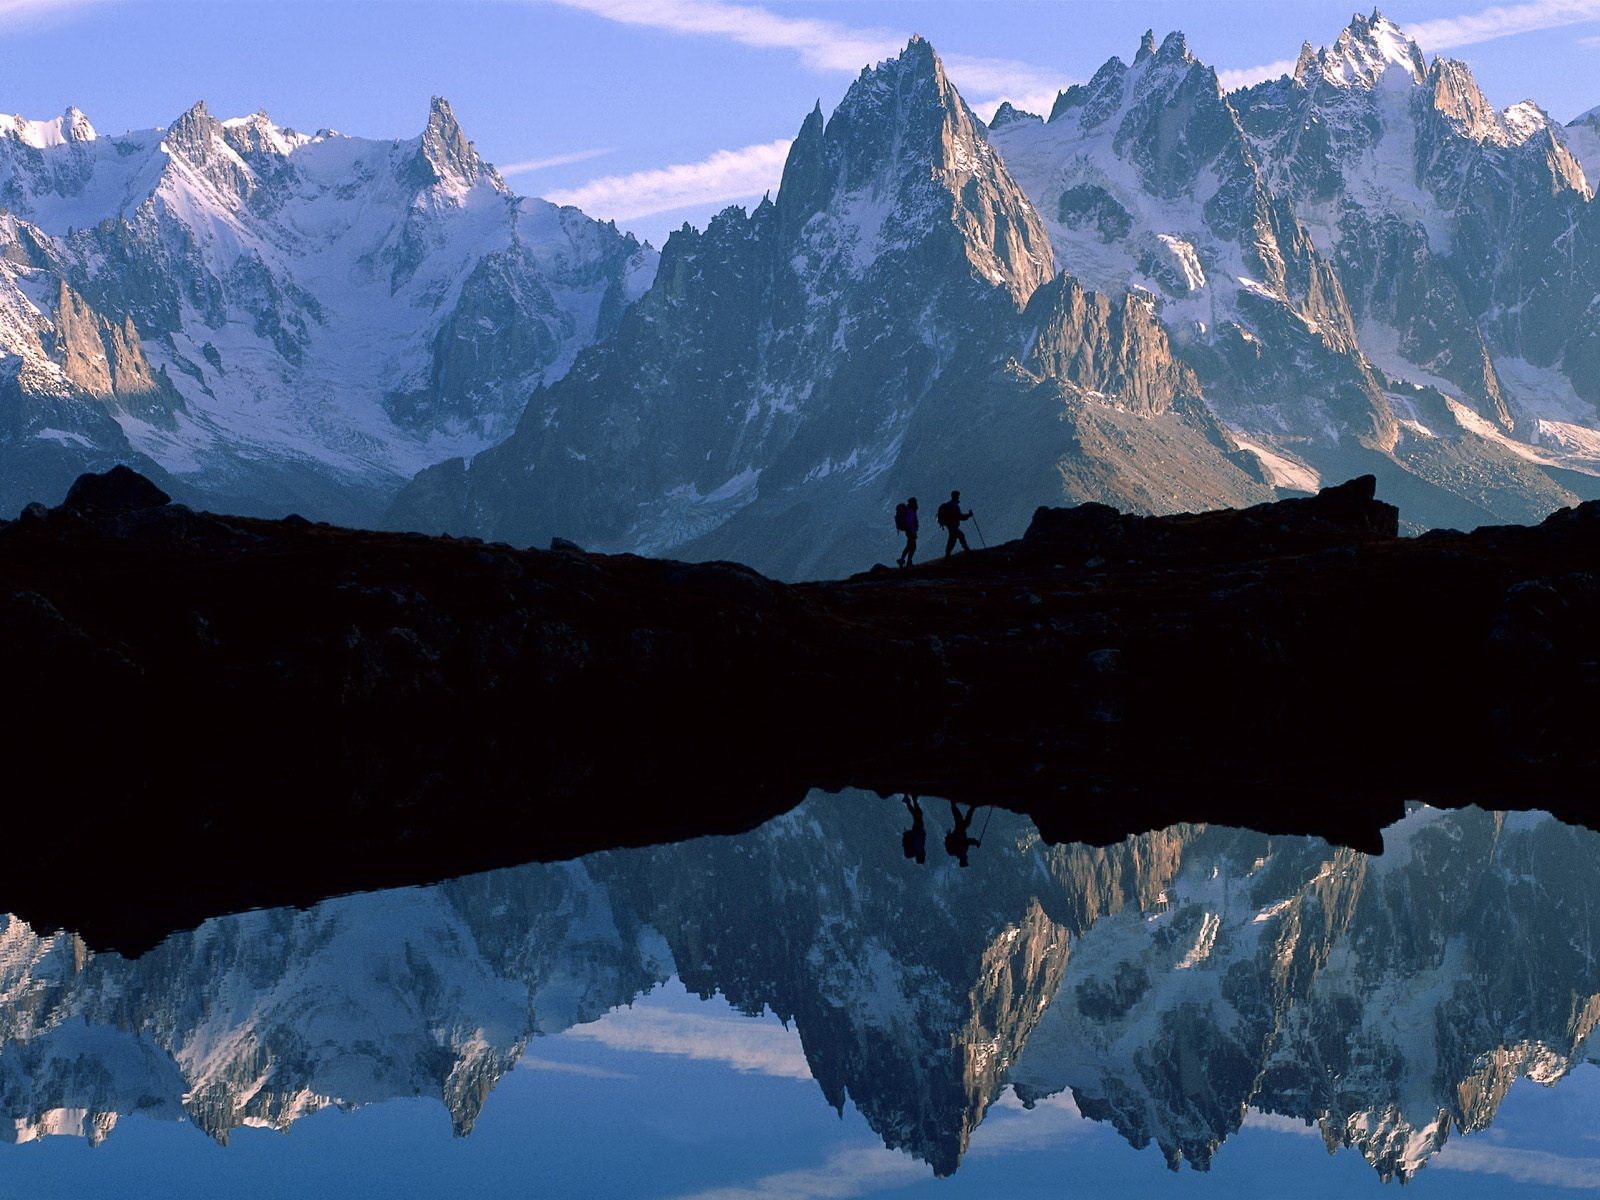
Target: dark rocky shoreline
210,712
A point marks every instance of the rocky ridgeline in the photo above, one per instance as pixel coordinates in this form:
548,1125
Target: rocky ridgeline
1390,1000
272,710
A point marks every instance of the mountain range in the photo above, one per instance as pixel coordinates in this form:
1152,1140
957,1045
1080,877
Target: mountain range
1160,295
1388,1000
269,320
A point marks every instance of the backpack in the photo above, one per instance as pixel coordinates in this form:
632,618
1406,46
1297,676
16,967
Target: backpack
947,514
900,518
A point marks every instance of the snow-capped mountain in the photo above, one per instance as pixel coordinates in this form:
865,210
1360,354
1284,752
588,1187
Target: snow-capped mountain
1359,268
1390,1000
891,321
278,320
1387,1000
1465,239
1582,136
1163,296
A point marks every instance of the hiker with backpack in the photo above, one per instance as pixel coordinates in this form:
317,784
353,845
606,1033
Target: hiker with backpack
959,841
914,841
950,517
905,520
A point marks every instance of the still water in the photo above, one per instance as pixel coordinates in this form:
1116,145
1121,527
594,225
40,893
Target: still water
805,1010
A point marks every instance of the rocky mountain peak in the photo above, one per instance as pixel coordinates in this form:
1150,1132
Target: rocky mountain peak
902,158
1008,114
70,127
1174,48
445,156
193,135
1368,50
75,127
259,134
1147,46
1457,97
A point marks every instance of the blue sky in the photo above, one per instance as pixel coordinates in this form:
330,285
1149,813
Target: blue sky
659,111
713,1105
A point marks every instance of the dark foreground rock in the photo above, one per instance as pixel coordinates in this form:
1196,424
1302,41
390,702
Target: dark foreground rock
207,712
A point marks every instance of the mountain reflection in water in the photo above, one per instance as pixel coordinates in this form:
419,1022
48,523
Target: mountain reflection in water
1176,987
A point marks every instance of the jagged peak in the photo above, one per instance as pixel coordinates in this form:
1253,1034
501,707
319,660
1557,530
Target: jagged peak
1147,46
1524,120
70,127
445,156
75,126
917,59
1174,48
1010,114
1369,49
258,133
1592,117
193,134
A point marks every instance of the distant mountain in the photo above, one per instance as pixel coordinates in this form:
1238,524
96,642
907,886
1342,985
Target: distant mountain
269,320
1360,268
892,322
1174,982
1163,296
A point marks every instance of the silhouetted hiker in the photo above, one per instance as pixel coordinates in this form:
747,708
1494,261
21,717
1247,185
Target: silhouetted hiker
958,841
905,520
950,516
914,841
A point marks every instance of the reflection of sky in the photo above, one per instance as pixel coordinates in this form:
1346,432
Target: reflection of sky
679,1097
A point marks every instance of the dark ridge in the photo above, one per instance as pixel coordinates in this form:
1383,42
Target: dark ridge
211,713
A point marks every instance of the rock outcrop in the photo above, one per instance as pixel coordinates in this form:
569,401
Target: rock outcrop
319,709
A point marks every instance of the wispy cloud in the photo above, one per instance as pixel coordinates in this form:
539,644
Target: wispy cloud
15,14
1278,1123
555,160
1520,1166
844,1174
826,45
853,1171
1503,20
1449,33
758,1047
820,45
588,1071
726,175
1239,77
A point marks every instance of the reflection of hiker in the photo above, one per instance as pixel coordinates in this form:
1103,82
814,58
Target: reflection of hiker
950,517
914,841
905,520
958,841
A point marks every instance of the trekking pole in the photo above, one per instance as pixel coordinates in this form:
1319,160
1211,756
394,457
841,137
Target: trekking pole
984,832
978,529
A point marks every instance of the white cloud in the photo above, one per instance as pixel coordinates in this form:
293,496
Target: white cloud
1448,33
820,45
823,45
1520,1166
726,175
844,1174
529,1063
17,13
1247,76
1012,1128
555,160
1504,20
1278,1123
743,1044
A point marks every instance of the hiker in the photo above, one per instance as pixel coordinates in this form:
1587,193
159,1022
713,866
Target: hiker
950,517
905,520
914,841
958,841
